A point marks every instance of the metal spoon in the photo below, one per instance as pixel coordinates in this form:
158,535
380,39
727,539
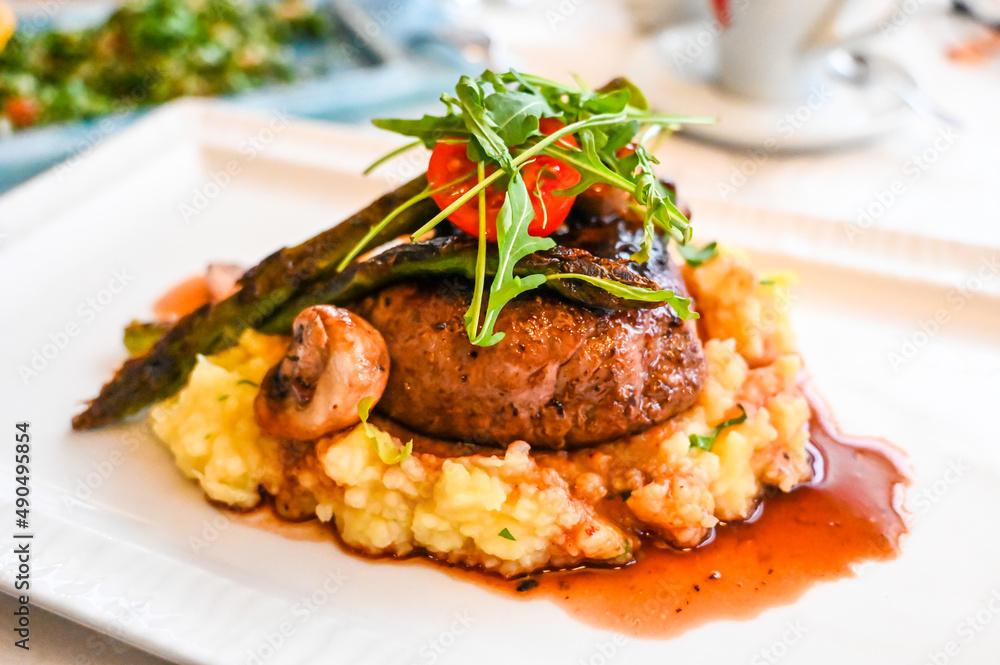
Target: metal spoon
861,70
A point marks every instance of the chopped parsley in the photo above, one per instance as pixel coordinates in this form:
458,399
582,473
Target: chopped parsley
505,533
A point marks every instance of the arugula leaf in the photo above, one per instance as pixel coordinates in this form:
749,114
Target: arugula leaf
680,304
706,441
636,98
514,243
516,115
505,533
650,193
430,129
485,142
498,300
695,256
498,81
383,444
619,136
612,102
472,314
512,228
588,163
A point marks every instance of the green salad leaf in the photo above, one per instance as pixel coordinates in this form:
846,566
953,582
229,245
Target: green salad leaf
514,244
385,446
516,114
706,441
695,256
680,304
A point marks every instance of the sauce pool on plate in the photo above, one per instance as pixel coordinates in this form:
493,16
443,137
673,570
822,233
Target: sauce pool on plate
850,513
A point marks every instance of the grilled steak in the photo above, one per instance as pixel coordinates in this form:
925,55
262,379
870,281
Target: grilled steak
564,376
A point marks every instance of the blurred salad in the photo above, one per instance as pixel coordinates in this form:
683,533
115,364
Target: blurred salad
149,52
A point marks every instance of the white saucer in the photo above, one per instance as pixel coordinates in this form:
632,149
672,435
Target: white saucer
675,70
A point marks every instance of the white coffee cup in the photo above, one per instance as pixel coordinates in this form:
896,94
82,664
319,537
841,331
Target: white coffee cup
771,49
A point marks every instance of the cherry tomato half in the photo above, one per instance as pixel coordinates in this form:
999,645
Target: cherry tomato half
542,175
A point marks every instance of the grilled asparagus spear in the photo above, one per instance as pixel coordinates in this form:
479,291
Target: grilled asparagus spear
263,289
140,337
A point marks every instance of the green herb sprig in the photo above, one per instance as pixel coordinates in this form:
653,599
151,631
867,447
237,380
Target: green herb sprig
706,441
498,116
698,256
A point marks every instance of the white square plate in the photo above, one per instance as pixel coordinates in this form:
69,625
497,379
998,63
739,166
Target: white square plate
125,544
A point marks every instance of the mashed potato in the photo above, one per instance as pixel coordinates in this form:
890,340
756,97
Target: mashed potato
521,511
737,304
210,428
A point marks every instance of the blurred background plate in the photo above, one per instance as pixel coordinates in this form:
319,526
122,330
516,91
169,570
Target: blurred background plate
834,114
392,56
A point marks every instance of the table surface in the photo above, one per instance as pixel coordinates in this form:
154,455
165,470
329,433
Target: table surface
955,197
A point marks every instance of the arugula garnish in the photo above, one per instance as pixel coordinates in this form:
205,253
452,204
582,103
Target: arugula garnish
498,115
695,256
386,448
706,441
629,292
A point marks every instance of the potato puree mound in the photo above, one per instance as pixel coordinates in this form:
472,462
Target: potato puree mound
521,511
210,427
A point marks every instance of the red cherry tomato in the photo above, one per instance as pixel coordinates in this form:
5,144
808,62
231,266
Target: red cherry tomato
542,174
21,111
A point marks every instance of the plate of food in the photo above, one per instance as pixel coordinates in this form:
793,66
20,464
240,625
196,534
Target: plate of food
508,397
